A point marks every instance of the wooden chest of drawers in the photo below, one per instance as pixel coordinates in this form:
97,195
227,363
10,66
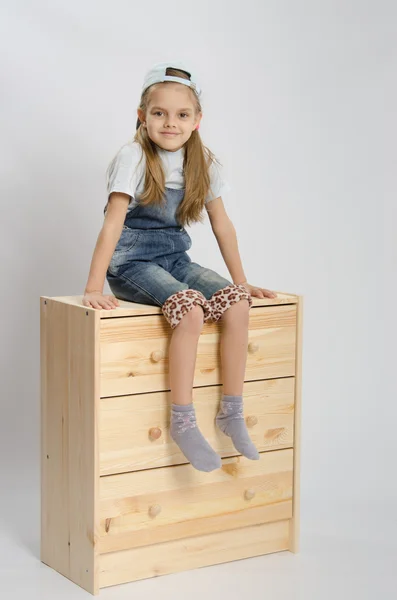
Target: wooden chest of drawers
119,500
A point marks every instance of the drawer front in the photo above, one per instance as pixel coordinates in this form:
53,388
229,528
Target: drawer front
134,351
158,505
134,430
192,553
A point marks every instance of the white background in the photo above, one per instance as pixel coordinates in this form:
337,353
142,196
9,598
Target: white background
299,103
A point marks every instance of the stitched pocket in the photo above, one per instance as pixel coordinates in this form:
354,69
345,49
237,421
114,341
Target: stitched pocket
187,240
127,240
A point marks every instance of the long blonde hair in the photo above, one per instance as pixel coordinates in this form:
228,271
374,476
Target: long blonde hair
196,164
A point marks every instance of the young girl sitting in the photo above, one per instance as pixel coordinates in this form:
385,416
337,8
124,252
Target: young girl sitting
157,184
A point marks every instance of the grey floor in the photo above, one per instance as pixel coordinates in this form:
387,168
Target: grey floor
333,562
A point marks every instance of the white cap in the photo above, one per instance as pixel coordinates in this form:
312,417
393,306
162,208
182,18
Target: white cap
157,74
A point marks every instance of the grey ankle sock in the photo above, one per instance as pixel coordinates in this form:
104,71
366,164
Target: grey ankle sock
186,434
230,420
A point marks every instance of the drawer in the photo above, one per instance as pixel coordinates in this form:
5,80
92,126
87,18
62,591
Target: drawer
191,553
134,351
134,430
157,505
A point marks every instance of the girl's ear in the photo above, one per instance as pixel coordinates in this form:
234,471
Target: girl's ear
199,117
141,115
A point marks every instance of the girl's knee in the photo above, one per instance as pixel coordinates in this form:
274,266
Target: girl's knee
194,319
232,296
187,303
237,313
241,307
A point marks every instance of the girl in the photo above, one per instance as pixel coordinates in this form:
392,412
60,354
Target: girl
157,184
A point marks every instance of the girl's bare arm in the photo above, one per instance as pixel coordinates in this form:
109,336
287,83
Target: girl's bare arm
103,252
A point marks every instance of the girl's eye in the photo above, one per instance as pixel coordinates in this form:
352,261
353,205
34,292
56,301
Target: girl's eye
159,112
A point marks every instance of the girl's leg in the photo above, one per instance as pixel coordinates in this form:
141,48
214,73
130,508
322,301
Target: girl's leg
182,360
230,303
234,342
183,354
233,347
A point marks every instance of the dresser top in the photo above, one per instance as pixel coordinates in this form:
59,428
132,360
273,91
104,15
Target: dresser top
131,309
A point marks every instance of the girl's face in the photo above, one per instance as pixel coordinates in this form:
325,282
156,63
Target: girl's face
170,118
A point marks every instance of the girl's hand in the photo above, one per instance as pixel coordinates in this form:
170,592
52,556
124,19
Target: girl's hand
98,300
258,291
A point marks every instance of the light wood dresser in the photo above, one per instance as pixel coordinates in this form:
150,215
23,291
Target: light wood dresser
119,501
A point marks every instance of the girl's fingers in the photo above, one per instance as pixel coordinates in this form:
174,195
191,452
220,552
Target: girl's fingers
269,293
112,302
262,292
107,302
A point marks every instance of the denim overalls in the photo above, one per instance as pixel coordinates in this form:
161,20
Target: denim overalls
150,262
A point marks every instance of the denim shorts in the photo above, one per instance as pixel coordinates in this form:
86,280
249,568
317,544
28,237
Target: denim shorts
150,265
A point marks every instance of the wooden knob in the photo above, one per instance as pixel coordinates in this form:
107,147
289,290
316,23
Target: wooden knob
249,494
157,355
155,510
154,433
253,347
251,420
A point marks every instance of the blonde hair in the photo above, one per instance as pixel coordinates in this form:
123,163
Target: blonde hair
196,164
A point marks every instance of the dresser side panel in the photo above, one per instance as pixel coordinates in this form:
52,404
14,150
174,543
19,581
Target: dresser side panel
69,453
54,550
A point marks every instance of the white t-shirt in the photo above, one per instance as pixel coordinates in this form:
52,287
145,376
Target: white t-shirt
125,175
